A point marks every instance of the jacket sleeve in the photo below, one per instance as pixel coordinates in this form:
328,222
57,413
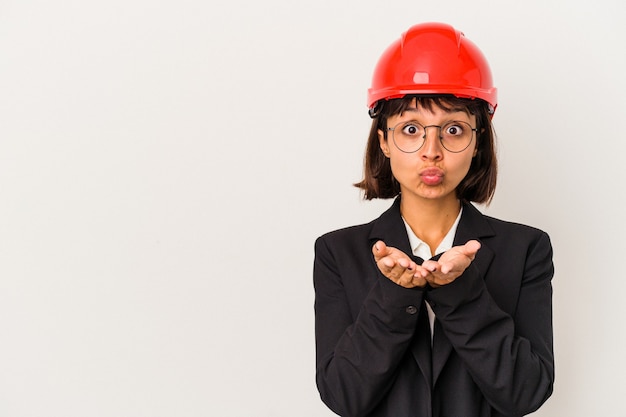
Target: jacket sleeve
510,357
357,354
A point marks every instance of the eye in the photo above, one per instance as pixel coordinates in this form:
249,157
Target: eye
412,129
454,129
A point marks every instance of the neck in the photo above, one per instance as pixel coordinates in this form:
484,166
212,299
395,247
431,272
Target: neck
430,220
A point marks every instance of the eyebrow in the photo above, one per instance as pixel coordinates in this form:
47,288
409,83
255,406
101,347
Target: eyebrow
416,110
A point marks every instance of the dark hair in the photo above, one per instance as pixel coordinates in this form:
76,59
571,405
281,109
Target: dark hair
479,184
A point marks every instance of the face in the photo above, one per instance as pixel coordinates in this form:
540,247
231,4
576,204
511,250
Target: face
432,172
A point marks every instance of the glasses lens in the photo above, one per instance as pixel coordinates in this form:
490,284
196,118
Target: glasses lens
408,136
456,136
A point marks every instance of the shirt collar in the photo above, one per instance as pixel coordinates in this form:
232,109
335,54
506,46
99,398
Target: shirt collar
421,249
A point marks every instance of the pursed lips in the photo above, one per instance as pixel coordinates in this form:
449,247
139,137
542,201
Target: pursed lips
432,175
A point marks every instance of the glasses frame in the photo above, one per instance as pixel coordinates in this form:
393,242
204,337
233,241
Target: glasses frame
393,136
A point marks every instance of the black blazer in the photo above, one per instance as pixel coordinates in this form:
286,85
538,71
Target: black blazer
492,349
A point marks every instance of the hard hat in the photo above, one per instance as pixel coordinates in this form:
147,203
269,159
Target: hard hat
432,58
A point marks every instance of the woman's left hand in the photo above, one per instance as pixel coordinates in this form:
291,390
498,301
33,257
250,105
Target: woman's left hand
451,264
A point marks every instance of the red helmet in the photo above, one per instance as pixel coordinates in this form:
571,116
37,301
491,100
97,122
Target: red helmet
432,58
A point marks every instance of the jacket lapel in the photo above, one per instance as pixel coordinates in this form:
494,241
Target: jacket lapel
389,228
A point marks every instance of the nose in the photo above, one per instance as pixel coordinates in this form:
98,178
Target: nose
432,148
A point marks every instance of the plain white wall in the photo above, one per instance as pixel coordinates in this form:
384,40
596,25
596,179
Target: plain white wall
165,167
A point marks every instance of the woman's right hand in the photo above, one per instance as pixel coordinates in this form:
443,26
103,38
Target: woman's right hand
398,267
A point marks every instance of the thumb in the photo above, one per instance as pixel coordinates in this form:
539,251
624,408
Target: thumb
379,249
471,247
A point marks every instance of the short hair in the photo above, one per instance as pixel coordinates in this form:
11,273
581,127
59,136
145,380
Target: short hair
479,184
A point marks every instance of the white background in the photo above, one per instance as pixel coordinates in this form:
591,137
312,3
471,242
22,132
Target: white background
165,167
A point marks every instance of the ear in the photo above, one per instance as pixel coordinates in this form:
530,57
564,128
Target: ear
384,145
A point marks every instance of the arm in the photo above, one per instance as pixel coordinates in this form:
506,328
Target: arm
510,358
358,354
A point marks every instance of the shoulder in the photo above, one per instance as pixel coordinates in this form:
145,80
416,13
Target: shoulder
345,234
389,223
504,237
513,229
500,227
363,231
510,226
518,236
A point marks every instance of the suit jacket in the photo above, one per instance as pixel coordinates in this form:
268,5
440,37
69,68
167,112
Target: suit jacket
491,354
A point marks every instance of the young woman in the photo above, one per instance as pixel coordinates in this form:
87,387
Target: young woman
433,309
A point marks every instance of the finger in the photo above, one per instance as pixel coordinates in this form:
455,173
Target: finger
379,250
400,263
419,282
376,249
420,272
389,262
446,268
471,248
404,263
409,280
406,280
389,267
430,266
399,270
401,274
431,279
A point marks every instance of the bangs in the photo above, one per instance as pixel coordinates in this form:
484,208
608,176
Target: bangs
447,103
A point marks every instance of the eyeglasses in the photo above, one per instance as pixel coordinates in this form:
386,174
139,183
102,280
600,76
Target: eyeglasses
410,136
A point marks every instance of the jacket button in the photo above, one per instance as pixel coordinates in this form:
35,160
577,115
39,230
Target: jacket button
411,309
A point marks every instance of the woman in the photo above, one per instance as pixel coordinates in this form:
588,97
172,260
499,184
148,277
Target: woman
433,309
